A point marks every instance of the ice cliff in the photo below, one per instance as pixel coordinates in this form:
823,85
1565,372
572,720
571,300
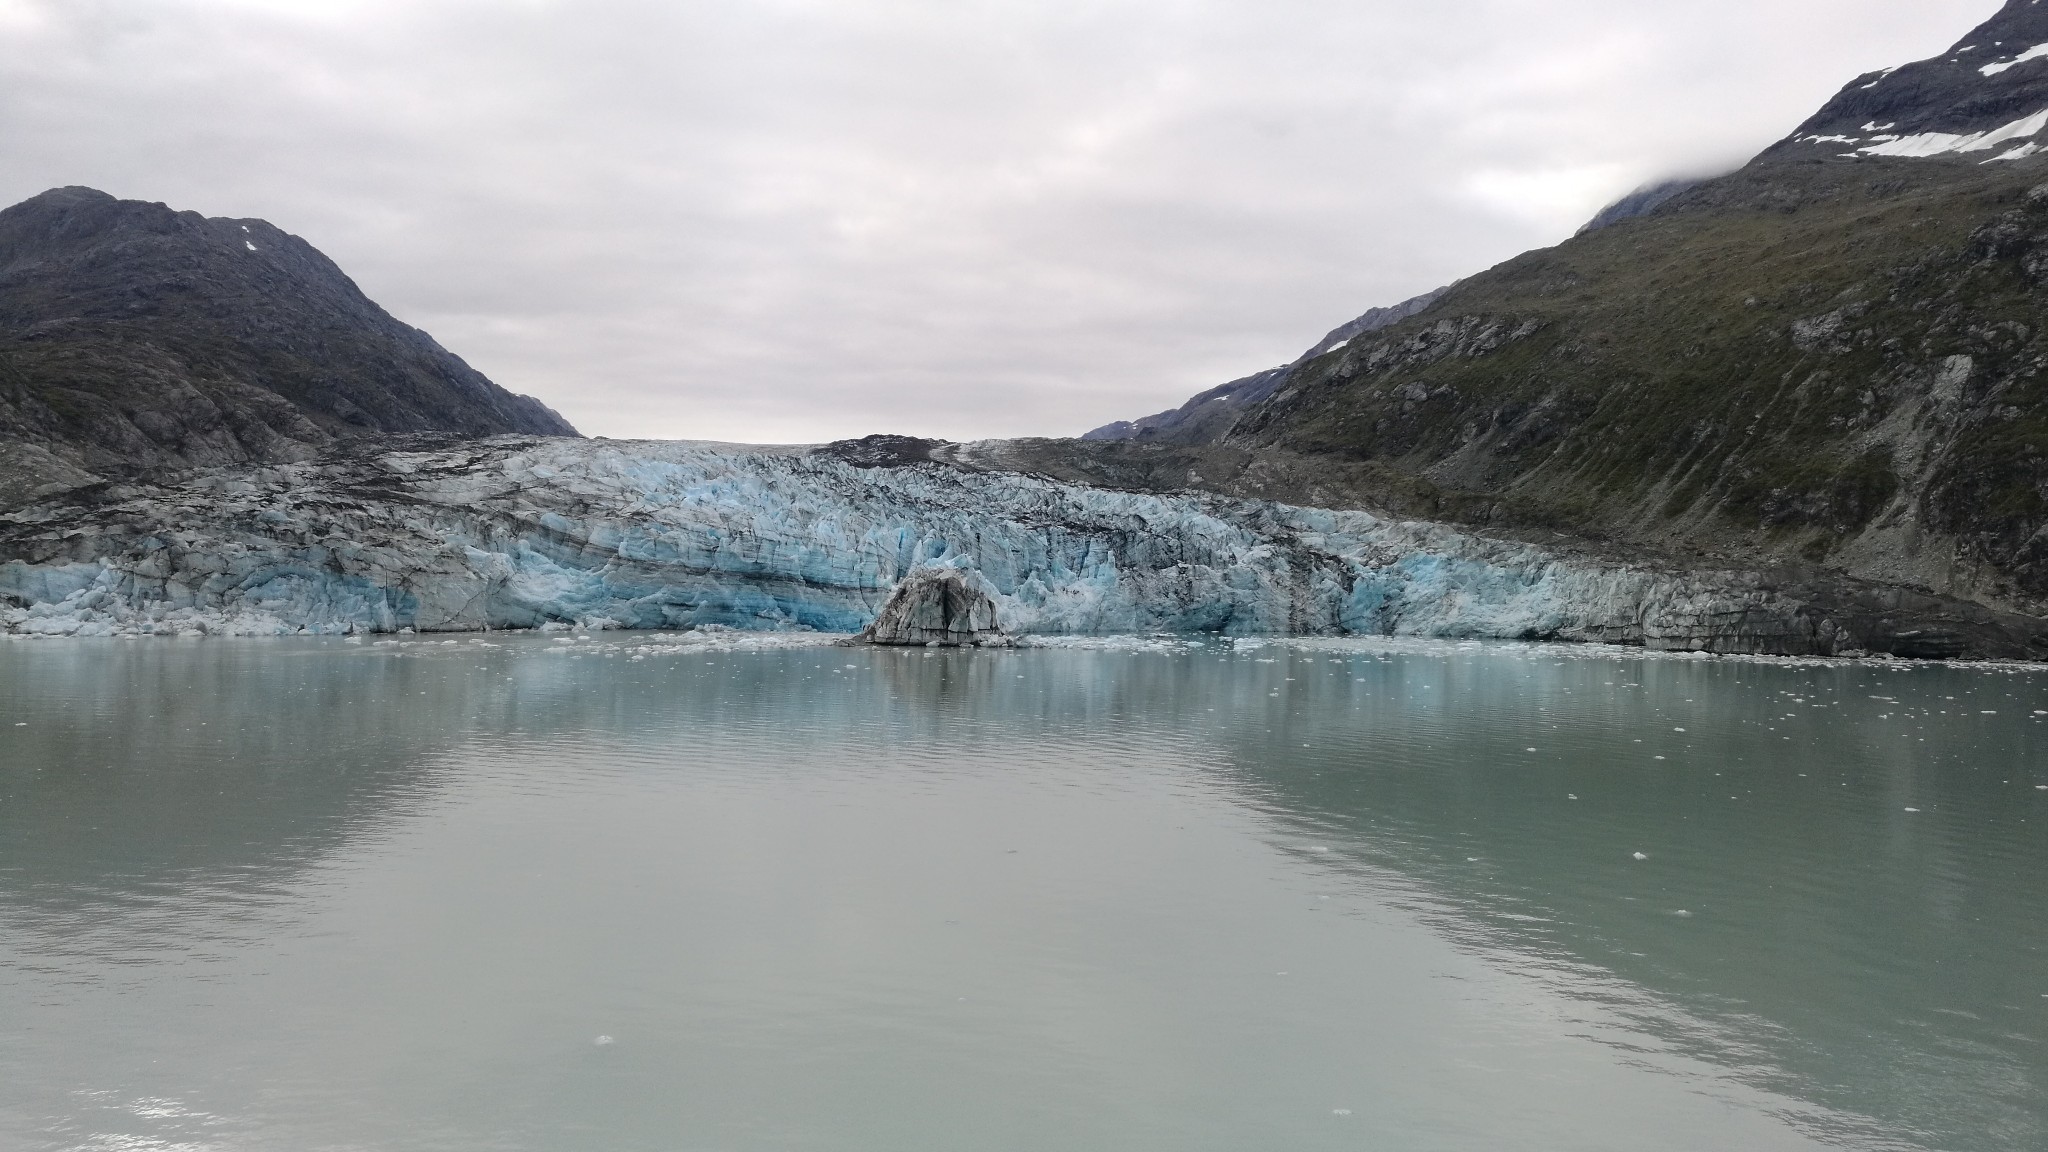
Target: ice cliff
522,533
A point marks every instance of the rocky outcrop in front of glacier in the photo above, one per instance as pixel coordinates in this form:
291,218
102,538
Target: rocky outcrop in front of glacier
525,532
939,607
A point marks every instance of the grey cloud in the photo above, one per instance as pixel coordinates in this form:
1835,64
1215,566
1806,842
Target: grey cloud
796,220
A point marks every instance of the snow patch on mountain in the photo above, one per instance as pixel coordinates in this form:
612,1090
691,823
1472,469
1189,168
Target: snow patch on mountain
2034,53
1942,143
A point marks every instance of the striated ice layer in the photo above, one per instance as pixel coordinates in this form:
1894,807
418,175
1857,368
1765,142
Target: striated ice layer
516,533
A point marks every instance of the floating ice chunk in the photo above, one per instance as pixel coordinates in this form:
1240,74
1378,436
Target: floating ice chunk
1641,856
250,245
1912,809
601,1041
1681,912
1571,796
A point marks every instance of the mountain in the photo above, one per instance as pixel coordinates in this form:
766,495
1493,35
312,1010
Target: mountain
1835,358
135,337
1640,202
1209,415
1985,98
1203,419
1801,408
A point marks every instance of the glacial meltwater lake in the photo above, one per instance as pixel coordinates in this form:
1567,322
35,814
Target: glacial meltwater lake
671,893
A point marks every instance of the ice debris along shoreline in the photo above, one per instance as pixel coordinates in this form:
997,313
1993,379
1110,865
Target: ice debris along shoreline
529,533
640,646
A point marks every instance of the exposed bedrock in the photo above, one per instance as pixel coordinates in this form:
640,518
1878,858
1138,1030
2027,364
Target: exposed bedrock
946,607
521,532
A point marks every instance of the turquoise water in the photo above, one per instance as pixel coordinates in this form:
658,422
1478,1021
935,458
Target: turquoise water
629,893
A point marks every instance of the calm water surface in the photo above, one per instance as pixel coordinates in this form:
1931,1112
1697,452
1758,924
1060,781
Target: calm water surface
625,893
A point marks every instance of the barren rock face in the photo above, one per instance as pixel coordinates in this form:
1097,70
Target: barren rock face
944,606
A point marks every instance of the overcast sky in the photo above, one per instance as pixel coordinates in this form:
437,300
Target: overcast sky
797,220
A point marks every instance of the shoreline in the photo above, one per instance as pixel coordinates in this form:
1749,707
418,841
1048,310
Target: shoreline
673,641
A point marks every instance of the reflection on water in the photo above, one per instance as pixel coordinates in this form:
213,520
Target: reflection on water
320,894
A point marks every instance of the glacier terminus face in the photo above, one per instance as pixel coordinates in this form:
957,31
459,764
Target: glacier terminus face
537,533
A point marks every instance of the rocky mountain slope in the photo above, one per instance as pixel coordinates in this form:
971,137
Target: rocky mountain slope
1836,357
135,337
1985,98
1209,415
1640,202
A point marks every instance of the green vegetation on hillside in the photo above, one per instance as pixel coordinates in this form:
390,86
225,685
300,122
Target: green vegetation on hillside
1825,362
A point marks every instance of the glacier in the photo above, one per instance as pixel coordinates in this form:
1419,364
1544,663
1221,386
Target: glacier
519,532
